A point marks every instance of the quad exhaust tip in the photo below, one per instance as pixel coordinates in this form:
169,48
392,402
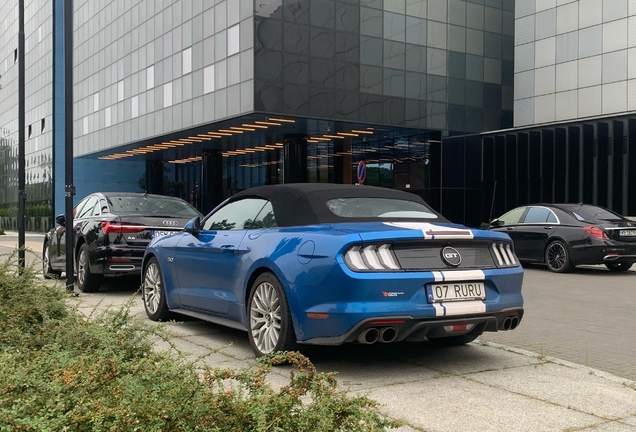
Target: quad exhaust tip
373,335
387,334
509,323
368,336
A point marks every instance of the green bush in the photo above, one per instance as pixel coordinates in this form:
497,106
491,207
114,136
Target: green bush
62,371
30,210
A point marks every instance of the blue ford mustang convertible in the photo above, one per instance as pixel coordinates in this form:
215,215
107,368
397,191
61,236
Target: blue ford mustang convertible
327,264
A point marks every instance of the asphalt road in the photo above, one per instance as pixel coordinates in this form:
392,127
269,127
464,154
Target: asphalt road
586,317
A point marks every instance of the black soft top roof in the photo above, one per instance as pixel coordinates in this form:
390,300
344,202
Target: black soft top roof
305,203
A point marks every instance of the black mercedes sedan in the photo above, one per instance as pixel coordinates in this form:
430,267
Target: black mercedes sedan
110,234
566,235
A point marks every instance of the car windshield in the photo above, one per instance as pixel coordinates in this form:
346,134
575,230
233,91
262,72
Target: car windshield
379,208
587,212
160,206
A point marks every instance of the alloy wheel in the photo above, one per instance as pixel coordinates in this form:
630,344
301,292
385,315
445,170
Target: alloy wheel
46,260
82,262
556,256
266,317
152,288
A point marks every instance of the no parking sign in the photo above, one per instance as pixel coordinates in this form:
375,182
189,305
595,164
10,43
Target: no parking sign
362,172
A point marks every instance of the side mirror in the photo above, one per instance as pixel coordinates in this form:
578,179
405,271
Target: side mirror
61,219
193,226
496,223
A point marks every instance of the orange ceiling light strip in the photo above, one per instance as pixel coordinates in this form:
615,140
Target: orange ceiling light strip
366,132
267,123
228,131
221,133
236,128
281,120
257,126
347,134
320,139
334,136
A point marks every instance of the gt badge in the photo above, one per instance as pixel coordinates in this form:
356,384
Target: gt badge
451,256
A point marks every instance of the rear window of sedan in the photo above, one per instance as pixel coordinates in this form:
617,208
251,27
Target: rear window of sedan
379,208
150,205
587,212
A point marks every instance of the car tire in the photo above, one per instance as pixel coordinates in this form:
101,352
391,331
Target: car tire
452,341
153,292
86,281
619,266
270,326
557,257
47,270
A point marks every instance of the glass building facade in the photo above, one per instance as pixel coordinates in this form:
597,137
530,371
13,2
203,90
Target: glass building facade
574,59
574,104
204,98
38,106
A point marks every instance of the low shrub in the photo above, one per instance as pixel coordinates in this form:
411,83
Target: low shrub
61,371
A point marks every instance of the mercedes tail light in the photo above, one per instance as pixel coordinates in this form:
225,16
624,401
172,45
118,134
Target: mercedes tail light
371,258
504,255
119,228
596,232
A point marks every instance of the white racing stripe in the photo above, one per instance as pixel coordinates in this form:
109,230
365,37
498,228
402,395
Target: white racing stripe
461,275
432,231
439,277
460,308
439,309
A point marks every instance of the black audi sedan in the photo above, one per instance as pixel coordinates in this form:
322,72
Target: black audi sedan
110,234
566,235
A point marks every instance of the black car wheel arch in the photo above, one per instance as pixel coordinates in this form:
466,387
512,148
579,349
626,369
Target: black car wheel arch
86,280
557,257
618,266
47,270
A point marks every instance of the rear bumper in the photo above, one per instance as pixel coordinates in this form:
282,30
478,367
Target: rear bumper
346,303
415,330
602,252
117,261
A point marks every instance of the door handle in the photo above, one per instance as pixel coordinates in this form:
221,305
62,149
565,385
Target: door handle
547,227
509,228
227,249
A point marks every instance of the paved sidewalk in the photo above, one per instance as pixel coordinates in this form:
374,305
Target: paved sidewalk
477,387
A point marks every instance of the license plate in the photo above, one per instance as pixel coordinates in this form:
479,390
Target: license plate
161,233
627,233
456,291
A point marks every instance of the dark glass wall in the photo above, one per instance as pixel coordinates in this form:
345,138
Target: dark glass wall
426,64
592,162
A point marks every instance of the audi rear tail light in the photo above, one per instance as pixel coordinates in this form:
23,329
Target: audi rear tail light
114,227
596,232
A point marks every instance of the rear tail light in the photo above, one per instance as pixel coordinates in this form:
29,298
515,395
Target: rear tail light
596,232
114,227
370,258
503,254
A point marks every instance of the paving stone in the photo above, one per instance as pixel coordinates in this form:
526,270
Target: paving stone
458,404
565,386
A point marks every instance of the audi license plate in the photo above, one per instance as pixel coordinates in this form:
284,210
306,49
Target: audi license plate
627,233
161,233
456,291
